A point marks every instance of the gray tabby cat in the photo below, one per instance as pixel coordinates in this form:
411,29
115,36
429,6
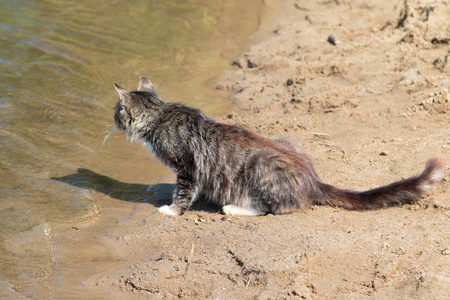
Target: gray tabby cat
241,171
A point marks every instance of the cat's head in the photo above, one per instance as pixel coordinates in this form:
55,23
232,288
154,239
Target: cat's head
136,110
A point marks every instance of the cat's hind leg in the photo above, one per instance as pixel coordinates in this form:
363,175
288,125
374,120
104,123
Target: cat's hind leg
234,210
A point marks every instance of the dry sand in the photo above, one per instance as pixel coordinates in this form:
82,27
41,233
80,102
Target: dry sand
369,109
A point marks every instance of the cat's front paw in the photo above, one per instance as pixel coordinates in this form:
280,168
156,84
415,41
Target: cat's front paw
167,210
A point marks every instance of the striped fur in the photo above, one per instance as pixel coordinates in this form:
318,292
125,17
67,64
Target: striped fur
234,167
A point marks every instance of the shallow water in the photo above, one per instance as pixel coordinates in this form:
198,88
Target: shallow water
58,61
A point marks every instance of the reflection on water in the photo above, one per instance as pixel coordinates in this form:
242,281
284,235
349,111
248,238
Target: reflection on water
58,61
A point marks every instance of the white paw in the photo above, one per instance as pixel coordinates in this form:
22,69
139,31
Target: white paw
234,210
228,209
166,210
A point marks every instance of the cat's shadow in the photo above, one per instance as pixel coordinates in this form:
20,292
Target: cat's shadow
157,195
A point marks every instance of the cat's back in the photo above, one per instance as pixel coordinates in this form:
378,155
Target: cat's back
178,114
190,124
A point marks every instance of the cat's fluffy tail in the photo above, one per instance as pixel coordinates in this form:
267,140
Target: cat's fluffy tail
397,193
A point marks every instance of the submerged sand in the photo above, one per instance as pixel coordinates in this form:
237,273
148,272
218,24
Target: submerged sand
369,105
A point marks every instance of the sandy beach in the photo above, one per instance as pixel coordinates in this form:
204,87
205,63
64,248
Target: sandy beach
362,87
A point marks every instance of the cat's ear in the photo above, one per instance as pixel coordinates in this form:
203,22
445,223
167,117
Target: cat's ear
124,95
145,85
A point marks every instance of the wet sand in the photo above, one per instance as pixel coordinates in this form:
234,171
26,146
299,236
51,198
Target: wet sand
369,105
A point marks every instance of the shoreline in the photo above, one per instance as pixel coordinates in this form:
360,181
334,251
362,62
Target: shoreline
368,110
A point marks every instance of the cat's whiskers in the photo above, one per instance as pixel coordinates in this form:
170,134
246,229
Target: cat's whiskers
108,132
